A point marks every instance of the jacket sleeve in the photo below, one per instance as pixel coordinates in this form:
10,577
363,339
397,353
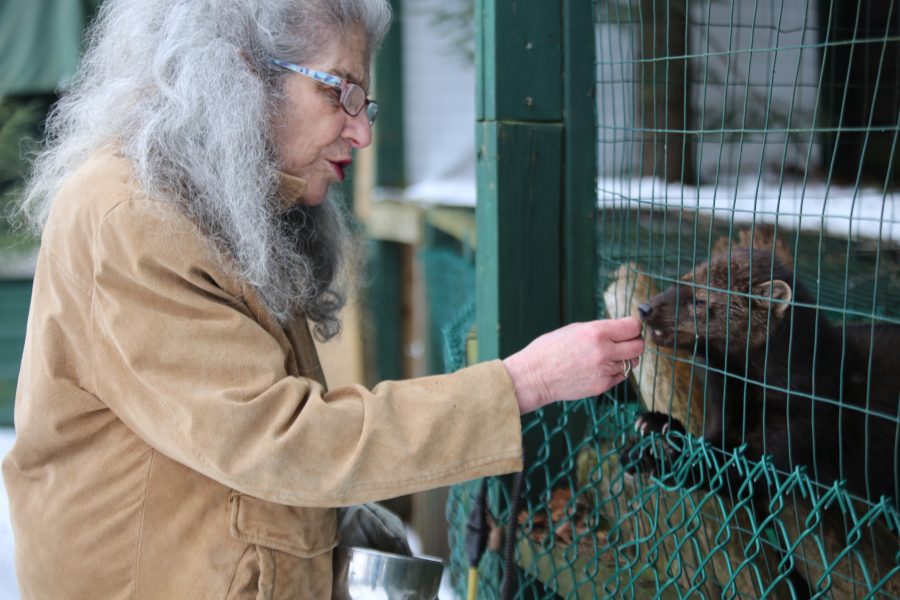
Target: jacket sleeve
183,361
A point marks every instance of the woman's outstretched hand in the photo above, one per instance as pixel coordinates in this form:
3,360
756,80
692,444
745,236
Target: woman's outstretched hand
575,361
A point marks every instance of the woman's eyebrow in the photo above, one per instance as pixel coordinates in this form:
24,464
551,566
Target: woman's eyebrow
348,76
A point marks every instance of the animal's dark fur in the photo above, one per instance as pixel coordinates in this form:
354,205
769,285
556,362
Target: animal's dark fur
780,377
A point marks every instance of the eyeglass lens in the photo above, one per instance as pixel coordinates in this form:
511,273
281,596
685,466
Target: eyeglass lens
354,99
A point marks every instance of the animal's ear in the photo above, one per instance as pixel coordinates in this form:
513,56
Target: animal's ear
779,291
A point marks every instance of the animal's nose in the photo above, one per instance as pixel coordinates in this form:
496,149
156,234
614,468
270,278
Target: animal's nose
645,311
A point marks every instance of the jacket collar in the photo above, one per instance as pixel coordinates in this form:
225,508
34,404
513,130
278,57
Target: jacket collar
290,190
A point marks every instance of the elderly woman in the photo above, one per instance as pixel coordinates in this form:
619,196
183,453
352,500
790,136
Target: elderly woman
175,437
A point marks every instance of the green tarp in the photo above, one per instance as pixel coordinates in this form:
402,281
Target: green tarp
40,43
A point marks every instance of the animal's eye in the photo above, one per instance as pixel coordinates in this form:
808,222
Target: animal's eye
699,301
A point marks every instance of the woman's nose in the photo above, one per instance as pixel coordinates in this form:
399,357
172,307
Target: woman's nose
358,130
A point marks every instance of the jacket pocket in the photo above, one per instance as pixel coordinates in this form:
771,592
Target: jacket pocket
292,557
299,531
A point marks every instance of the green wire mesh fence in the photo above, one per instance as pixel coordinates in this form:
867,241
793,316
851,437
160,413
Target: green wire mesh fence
449,269
747,163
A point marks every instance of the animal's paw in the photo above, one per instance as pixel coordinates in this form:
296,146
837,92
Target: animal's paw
656,422
650,457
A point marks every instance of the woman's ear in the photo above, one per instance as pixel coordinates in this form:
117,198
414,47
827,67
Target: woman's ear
249,62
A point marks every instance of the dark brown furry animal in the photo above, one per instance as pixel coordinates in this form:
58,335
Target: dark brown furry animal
667,380
761,236
787,384
780,378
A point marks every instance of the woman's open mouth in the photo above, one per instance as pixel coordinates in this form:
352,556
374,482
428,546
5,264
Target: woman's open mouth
339,167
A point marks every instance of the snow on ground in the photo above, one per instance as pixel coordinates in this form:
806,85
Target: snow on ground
8,587
842,211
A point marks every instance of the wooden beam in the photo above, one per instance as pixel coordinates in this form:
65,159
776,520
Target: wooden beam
395,221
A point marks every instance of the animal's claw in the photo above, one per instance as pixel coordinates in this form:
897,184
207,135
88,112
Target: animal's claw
654,422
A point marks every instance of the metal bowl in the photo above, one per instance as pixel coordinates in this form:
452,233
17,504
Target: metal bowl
366,574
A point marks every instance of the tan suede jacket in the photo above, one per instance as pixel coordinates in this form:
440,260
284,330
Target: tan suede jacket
173,441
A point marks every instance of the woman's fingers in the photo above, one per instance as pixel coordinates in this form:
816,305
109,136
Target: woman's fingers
576,361
631,349
620,330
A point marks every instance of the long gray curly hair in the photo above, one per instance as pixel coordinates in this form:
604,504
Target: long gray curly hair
184,89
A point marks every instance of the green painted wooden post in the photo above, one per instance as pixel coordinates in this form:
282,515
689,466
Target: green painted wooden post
535,258
536,169
520,143
15,297
519,135
386,294
580,162
388,133
386,304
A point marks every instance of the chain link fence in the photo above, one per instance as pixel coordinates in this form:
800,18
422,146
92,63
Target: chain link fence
747,162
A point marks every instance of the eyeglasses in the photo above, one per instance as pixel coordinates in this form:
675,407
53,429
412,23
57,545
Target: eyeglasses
353,97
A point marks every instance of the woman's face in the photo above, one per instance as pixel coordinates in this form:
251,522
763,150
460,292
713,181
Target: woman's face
313,134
